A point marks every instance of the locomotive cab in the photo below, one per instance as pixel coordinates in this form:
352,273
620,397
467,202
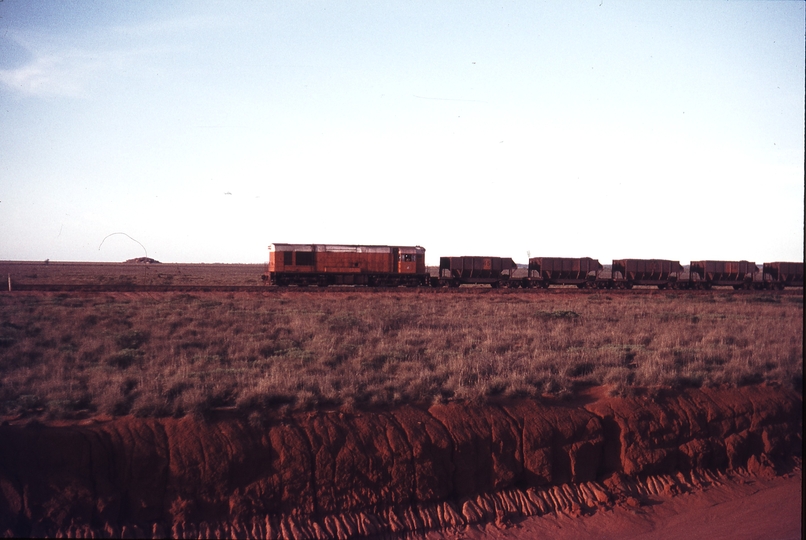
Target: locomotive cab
410,260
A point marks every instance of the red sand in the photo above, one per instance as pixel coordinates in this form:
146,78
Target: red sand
743,508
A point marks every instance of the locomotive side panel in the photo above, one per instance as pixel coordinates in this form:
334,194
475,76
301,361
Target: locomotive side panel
354,259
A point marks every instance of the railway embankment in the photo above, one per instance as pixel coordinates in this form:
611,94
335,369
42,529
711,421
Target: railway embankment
348,473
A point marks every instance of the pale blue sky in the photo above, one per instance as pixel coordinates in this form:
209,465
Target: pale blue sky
207,130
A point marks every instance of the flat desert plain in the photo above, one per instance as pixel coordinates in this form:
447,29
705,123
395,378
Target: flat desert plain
356,413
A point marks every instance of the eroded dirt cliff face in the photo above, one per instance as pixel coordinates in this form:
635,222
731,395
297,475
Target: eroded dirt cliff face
342,474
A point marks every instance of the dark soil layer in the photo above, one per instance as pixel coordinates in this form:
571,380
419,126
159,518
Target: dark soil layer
346,474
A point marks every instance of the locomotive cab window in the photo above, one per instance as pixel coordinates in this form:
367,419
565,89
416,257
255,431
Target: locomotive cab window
406,257
288,258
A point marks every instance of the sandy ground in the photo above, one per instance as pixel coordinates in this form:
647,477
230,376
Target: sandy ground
740,509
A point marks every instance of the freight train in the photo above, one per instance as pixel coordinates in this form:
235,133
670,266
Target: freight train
391,266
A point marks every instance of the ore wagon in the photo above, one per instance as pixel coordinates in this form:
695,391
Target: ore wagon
777,275
662,273
495,271
545,271
736,274
329,264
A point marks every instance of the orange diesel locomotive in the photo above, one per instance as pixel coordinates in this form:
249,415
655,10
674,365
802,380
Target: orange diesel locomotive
329,264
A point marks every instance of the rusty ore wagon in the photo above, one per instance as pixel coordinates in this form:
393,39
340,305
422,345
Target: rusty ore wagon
545,271
455,271
736,274
777,275
627,273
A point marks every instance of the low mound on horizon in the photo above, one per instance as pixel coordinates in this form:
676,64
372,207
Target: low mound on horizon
143,260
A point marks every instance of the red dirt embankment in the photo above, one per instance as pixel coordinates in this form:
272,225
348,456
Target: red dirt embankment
342,474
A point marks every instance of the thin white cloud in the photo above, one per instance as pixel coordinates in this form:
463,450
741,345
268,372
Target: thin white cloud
59,74
172,26
55,69
58,70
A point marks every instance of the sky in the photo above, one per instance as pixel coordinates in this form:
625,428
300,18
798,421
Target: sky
204,131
